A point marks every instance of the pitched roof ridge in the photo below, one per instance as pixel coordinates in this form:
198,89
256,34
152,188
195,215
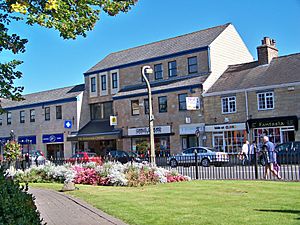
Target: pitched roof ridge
167,39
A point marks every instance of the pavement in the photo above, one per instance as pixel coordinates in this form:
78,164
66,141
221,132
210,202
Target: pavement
57,208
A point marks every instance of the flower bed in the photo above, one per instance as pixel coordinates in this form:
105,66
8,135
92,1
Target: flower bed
109,173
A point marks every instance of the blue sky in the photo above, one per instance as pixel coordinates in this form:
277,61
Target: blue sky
51,62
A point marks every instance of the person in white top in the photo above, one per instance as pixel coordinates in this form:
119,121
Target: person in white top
245,151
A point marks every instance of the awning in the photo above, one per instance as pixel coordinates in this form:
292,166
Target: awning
272,122
96,130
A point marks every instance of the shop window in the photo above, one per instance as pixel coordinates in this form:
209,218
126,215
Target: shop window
162,104
22,116
182,101
265,100
47,113
158,71
229,104
135,109
8,118
101,111
58,112
172,67
192,65
32,115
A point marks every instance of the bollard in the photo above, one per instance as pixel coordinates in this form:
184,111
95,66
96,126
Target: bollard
255,164
196,164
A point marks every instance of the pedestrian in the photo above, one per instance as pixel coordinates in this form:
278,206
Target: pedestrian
253,150
245,151
271,160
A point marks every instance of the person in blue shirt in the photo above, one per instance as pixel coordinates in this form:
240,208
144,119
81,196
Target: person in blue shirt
270,158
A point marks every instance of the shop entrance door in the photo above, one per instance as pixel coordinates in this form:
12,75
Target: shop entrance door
55,151
218,141
287,134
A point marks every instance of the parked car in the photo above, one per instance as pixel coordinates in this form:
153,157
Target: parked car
123,156
288,152
205,156
83,157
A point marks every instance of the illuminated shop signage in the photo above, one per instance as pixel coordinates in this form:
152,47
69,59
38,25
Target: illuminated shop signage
145,130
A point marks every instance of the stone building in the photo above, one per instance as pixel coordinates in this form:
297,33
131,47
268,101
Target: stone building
184,66
43,120
253,99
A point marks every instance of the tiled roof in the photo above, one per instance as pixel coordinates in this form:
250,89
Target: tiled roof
281,70
181,83
181,43
45,96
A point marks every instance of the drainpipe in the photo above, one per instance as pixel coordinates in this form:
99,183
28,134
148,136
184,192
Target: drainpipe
247,112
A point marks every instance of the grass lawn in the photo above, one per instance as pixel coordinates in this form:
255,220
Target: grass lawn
196,202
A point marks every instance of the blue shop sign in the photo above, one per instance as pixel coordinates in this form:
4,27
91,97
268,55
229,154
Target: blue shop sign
68,124
27,140
3,140
53,138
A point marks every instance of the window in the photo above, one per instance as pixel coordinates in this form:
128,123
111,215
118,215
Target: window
146,106
47,113
8,118
101,111
93,84
32,115
103,82
158,71
114,80
1,121
135,109
229,104
192,65
265,100
58,112
22,116
172,66
162,104
182,101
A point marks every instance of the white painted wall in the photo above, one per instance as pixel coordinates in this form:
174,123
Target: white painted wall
227,49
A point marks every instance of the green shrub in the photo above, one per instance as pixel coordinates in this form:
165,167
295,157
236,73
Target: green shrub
16,205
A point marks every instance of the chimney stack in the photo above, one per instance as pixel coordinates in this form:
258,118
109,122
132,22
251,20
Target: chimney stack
267,51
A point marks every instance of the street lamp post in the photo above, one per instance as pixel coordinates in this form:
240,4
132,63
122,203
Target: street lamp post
148,70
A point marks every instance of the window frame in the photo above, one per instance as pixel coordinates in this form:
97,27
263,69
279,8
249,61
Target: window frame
8,118
146,106
181,102
265,99
135,110
172,69
103,82
229,99
158,72
22,116
47,114
161,105
192,65
93,85
32,115
1,121
114,80
58,113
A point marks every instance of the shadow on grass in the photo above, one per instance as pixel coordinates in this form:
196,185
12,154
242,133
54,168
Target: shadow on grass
297,212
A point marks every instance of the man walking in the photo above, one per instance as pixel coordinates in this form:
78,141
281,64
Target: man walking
270,158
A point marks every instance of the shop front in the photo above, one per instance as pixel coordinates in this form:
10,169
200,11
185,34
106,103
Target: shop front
54,145
28,143
227,137
191,135
278,129
140,142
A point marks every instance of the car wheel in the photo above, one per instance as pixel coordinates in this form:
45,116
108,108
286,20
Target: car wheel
205,162
173,163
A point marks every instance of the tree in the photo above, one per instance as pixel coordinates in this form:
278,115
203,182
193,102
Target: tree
71,18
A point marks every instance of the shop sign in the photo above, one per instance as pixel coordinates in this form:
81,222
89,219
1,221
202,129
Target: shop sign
27,140
192,103
4,140
53,138
225,127
145,130
191,128
113,121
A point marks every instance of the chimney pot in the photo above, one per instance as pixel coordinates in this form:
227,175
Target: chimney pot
267,51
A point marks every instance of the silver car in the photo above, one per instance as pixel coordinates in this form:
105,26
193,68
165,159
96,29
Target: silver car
205,156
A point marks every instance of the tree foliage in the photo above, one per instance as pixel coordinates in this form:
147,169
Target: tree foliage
71,18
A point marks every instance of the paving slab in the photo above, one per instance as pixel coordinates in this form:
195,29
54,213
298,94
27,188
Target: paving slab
57,208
